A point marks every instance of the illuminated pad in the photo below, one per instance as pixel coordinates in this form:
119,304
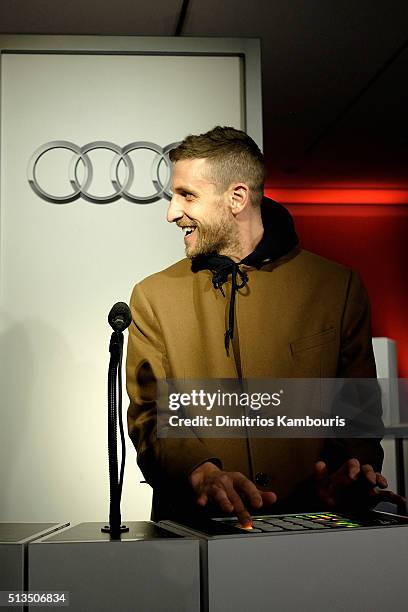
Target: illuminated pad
317,521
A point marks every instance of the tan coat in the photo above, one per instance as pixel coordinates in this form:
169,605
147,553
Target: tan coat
300,317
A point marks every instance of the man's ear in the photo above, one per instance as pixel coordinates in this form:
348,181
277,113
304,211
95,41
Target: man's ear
239,197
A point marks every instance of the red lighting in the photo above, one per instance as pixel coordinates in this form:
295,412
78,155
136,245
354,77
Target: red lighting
365,228
337,195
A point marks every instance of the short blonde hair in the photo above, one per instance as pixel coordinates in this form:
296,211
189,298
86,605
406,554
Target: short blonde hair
232,156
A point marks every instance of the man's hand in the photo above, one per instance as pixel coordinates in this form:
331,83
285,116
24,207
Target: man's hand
228,490
354,486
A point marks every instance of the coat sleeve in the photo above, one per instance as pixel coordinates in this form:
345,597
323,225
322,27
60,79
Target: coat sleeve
160,459
356,360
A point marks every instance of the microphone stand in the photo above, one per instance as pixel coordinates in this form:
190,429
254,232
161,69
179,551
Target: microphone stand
115,528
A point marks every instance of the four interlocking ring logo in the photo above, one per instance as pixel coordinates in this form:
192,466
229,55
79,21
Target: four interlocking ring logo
121,189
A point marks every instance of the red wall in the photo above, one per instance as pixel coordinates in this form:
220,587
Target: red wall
371,238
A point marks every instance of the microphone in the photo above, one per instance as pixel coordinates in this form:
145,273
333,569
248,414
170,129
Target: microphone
120,317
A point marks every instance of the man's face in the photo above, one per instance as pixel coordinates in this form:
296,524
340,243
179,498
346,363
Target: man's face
200,210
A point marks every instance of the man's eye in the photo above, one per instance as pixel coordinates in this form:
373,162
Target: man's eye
188,196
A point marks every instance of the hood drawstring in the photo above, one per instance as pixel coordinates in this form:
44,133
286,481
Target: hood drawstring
220,276
279,238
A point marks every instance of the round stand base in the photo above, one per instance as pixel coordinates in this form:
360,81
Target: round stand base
108,529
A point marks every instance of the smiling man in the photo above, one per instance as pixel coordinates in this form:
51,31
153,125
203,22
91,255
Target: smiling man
212,222
246,302
197,210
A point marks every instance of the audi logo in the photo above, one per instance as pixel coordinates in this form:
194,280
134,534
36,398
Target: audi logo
121,188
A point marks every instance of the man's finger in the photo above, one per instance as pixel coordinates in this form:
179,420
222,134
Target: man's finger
220,496
369,474
249,490
346,474
321,473
382,482
224,494
391,497
202,500
239,509
323,484
352,468
268,497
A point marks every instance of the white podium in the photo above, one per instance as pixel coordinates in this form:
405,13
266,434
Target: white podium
149,570
353,570
14,540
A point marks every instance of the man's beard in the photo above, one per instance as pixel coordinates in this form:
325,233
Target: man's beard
219,237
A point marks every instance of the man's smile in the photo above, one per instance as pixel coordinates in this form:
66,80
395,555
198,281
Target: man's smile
188,231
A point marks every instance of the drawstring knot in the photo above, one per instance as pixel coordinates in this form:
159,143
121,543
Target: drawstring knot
239,279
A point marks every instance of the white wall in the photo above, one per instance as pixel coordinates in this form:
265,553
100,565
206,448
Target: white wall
63,266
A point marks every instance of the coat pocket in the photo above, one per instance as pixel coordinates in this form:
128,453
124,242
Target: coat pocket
314,341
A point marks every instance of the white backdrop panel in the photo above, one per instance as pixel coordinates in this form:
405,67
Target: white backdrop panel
63,266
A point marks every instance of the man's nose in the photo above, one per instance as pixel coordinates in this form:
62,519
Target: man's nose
174,211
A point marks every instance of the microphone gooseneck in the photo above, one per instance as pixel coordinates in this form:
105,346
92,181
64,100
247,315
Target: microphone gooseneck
119,319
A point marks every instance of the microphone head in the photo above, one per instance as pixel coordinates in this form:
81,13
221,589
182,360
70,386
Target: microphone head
120,317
